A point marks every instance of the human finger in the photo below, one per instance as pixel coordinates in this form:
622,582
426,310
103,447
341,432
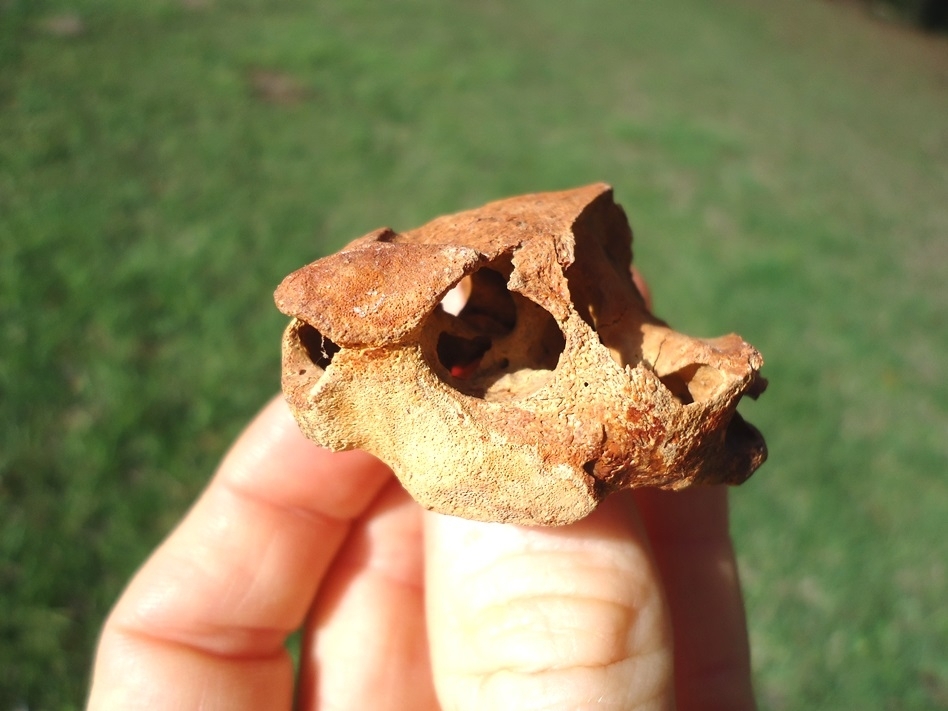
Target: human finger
642,286
692,546
539,618
203,623
366,638
688,531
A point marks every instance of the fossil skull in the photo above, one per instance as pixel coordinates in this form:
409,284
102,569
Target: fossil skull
503,363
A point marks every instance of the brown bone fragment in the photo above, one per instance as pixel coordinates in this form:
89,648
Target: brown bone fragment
502,362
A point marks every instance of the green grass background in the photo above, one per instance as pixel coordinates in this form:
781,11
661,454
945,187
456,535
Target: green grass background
784,166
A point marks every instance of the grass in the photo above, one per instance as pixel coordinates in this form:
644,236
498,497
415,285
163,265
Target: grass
164,164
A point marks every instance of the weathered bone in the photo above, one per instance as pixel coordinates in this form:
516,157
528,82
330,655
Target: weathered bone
502,362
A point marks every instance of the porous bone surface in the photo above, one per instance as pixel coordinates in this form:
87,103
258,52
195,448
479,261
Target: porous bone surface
502,362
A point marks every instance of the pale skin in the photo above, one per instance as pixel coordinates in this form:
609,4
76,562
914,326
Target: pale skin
636,607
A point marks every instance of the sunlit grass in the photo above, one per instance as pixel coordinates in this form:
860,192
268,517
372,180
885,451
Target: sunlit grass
785,170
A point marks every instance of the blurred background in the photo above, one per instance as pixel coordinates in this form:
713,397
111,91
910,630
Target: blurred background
785,169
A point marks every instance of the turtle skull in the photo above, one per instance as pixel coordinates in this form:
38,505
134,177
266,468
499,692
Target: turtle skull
503,363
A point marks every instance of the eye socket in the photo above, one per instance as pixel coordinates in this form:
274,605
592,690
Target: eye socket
490,342
483,301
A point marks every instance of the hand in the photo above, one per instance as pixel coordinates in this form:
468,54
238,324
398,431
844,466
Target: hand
631,608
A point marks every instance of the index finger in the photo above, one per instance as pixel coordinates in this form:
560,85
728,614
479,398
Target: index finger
203,623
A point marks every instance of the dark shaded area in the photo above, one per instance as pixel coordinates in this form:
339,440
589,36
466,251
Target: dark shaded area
930,15
490,307
319,348
933,15
459,355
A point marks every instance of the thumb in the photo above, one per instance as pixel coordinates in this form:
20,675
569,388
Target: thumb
547,618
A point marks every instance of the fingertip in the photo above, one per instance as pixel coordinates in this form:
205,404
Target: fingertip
533,617
642,286
273,460
691,541
698,512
